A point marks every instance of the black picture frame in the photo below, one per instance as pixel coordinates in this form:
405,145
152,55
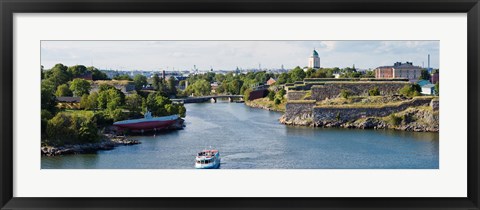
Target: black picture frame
10,7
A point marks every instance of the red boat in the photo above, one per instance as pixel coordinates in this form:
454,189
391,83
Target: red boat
147,123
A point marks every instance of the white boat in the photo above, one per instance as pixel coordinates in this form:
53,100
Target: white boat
207,159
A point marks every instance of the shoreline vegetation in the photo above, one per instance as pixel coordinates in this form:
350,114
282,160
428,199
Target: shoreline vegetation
79,105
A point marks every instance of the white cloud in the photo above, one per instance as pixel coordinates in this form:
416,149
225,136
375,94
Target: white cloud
155,55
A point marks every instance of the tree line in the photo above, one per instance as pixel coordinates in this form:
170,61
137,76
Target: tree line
108,104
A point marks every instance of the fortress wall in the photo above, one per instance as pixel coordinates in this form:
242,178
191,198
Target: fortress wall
361,88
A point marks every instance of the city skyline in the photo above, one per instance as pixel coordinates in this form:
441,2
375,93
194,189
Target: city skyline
228,55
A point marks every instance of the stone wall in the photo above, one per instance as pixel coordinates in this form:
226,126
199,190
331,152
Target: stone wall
298,113
361,88
296,95
435,104
256,94
322,114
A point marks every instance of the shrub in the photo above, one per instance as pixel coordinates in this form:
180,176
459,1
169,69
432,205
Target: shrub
411,90
277,101
374,92
246,94
271,95
345,93
394,119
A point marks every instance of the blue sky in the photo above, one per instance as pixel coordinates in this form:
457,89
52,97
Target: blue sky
227,55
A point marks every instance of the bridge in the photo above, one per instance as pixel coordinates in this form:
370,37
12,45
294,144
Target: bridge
213,99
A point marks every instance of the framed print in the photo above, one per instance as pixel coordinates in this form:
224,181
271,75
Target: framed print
239,105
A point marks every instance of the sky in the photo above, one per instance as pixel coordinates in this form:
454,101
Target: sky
227,55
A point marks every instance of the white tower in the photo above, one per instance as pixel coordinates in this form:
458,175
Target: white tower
314,60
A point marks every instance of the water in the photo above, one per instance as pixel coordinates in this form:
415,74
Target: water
250,138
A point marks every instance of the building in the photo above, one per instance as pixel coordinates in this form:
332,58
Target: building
434,78
314,60
428,89
271,81
399,70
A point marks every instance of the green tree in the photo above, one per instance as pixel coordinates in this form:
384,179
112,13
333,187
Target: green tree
425,75
79,87
97,74
155,81
271,95
134,103
84,101
58,75
199,88
123,77
63,90
280,94
411,90
246,94
77,70
283,78
155,103
277,101
309,72
234,86
297,74
48,100
92,101
110,99
171,86
140,81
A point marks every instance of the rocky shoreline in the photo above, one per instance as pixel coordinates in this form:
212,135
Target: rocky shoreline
425,121
108,143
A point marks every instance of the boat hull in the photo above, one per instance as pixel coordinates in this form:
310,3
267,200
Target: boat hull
146,126
213,165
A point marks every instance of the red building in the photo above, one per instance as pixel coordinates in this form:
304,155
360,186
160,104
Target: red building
399,70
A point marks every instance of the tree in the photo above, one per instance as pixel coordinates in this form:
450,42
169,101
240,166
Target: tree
63,90
309,72
280,94
297,74
155,81
84,101
97,74
122,77
200,87
79,87
271,95
424,75
283,78
140,81
411,90
58,75
277,101
48,100
155,103
234,87
110,99
77,70
134,103
246,94
171,86
92,101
